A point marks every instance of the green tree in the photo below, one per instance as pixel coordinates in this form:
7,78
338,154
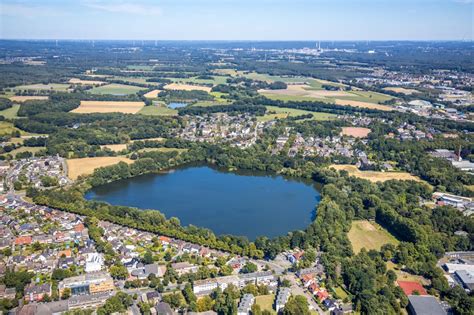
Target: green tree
296,305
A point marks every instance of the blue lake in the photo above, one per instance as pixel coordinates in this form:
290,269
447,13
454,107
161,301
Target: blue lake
177,105
241,204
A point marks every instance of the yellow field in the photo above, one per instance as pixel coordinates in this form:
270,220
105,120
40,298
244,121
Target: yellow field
374,176
21,99
115,147
369,235
356,132
187,87
152,94
305,91
87,107
362,104
86,82
86,166
401,90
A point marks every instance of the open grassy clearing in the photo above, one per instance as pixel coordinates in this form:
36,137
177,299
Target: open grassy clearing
158,109
43,87
115,89
402,90
21,99
87,107
274,112
187,87
139,80
25,149
86,166
369,235
10,113
115,147
405,276
266,302
6,128
374,176
356,132
341,293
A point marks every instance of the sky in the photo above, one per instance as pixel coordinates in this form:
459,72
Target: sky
238,19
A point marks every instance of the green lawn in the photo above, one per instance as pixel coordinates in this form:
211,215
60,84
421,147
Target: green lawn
116,89
158,109
281,113
340,292
10,113
266,302
369,235
42,87
295,98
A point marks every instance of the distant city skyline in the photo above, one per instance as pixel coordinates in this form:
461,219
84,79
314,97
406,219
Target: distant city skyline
237,20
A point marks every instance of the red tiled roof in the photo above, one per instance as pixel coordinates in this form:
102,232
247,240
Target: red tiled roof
22,240
410,286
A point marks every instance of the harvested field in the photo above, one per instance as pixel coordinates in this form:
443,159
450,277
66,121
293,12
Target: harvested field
86,166
274,112
21,99
86,82
401,90
369,235
152,94
87,107
115,147
374,176
356,132
363,104
187,87
306,91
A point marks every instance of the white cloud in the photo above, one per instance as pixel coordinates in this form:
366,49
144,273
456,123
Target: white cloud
28,11
124,7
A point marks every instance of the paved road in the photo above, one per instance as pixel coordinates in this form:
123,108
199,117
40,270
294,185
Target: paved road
296,289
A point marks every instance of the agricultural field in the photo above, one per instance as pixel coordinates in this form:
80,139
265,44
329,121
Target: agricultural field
152,94
88,107
216,80
374,176
86,82
363,104
187,87
356,132
402,90
369,235
10,113
21,99
274,112
313,91
158,109
43,87
116,89
86,166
